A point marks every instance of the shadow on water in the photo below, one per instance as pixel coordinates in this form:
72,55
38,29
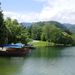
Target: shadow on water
11,65
47,52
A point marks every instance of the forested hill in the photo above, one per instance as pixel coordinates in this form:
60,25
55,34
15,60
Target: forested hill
51,31
64,26
54,23
57,24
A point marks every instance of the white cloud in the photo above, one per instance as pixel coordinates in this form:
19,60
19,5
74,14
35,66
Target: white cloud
27,17
59,10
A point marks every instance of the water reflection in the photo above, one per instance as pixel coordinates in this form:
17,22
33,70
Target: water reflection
51,52
50,61
41,61
10,65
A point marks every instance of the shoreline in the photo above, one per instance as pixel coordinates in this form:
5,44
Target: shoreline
48,44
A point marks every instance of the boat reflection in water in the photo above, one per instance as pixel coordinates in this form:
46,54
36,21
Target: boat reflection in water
14,50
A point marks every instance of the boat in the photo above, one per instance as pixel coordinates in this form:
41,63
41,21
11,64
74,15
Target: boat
13,50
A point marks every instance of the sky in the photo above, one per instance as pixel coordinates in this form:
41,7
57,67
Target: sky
39,10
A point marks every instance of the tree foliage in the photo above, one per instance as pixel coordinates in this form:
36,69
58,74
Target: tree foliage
36,32
3,30
18,33
51,32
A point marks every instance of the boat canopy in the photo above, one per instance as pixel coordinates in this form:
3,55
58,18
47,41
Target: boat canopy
17,45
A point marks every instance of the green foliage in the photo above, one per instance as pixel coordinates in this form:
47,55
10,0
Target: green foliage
18,33
43,38
48,31
39,44
36,32
3,30
63,38
51,32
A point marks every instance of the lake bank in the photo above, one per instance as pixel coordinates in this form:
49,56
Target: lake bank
47,44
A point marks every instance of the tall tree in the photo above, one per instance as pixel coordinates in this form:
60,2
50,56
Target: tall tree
36,31
18,32
3,29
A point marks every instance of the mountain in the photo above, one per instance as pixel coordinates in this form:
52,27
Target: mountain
57,24
25,24
70,27
64,26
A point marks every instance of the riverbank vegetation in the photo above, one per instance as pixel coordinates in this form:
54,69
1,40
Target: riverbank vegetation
53,33
39,43
49,33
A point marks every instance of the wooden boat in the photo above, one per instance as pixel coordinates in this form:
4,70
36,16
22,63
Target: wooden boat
14,51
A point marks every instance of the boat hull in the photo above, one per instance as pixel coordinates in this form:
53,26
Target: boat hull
15,52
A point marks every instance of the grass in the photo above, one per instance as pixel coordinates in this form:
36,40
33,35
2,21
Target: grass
37,43
41,44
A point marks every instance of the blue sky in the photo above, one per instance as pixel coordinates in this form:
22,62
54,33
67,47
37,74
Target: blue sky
21,5
39,10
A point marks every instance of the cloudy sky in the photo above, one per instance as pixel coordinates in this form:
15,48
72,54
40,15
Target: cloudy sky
39,10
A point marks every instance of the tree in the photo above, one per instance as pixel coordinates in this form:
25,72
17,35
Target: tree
53,34
61,37
47,32
3,29
36,32
18,33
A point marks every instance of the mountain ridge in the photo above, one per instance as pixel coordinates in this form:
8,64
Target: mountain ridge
63,26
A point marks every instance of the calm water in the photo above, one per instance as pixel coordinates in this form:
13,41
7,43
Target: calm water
42,61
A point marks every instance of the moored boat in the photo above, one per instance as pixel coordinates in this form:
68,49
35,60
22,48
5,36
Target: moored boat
13,50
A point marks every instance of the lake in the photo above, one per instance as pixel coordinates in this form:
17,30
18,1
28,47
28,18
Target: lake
41,61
